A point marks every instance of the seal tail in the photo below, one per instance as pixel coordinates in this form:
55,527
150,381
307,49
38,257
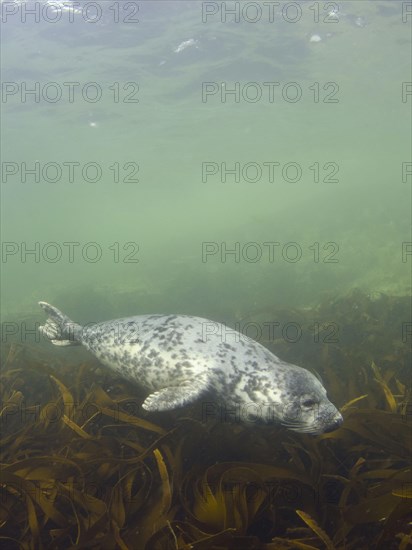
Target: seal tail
59,329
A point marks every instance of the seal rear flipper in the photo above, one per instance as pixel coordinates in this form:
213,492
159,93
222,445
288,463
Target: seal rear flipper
174,397
59,329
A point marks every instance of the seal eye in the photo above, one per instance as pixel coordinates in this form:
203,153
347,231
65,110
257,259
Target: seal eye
309,403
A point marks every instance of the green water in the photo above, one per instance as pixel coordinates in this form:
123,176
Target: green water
151,232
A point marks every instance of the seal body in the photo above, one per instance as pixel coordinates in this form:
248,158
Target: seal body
177,358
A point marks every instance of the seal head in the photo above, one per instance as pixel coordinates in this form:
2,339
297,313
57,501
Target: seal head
305,406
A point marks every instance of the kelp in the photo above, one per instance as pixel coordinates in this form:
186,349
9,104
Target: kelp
83,467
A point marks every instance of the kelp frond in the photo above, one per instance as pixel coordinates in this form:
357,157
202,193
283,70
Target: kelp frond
82,467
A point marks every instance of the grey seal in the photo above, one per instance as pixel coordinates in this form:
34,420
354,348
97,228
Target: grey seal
177,358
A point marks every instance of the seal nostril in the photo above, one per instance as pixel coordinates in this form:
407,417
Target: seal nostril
335,425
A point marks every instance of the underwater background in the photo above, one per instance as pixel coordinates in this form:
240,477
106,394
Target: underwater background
247,162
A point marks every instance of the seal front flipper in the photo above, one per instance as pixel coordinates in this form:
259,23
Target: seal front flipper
59,329
173,397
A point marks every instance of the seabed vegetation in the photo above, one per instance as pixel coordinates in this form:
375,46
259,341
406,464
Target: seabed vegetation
83,467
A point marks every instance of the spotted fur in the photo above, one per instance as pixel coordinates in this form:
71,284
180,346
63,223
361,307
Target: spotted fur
177,358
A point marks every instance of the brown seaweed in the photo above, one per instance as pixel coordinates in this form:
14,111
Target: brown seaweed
81,467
